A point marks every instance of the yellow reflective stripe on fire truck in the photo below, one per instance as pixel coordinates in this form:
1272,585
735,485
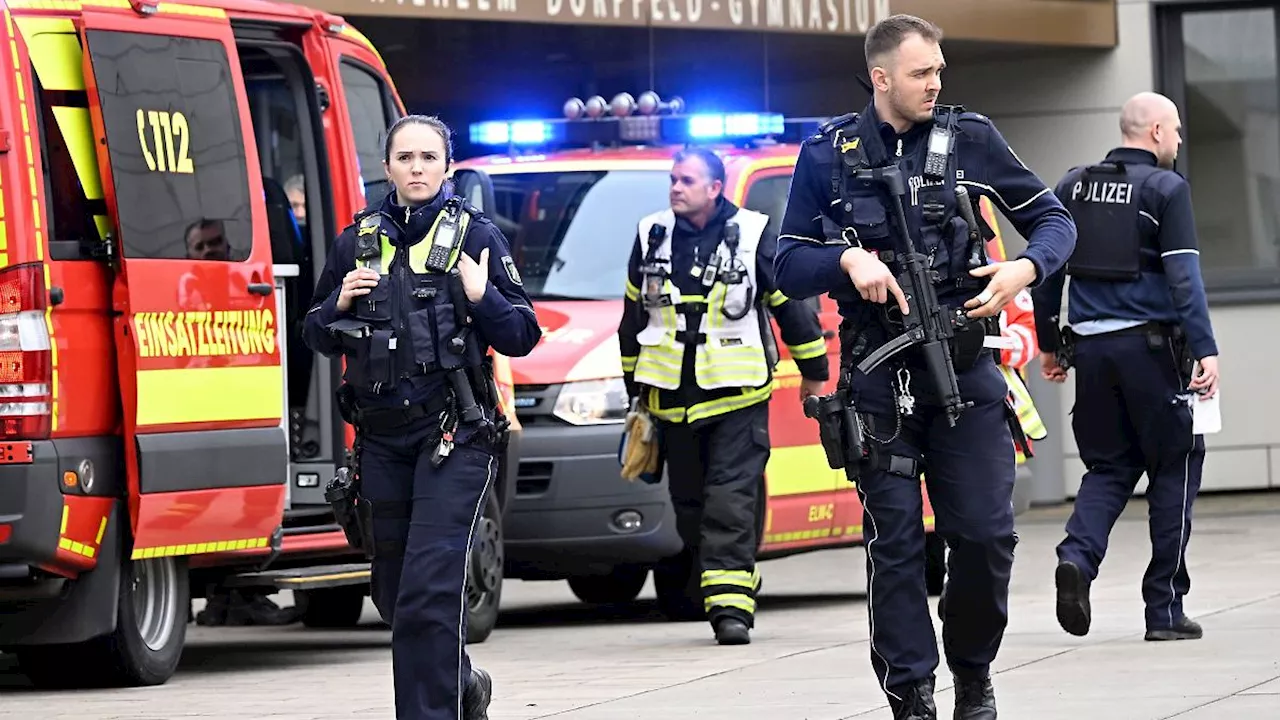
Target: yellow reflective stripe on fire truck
56,55
217,394
359,37
74,546
811,349
199,548
163,8
801,469
37,217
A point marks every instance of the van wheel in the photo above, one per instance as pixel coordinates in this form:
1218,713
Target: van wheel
935,563
484,574
339,607
622,585
144,649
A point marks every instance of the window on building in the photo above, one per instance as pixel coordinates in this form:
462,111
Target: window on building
1220,68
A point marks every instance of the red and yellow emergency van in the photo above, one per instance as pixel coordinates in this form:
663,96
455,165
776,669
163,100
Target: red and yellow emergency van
569,193
170,176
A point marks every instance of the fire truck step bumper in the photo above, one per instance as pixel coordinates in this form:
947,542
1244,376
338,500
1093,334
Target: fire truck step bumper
306,578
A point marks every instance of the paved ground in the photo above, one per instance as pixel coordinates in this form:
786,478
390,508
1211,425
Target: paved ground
555,658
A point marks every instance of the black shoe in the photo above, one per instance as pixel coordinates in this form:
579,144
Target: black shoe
732,631
916,703
1184,629
975,700
475,701
1074,613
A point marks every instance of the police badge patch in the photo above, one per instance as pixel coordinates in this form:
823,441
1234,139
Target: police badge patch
512,272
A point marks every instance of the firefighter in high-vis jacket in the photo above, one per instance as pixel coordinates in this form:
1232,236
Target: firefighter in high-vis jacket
698,353
413,294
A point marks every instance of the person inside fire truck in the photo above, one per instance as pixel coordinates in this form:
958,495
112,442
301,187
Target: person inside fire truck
413,295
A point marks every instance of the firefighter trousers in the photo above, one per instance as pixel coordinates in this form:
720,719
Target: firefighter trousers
424,521
715,471
1132,416
969,473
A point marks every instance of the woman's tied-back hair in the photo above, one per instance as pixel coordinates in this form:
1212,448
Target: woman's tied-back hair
430,121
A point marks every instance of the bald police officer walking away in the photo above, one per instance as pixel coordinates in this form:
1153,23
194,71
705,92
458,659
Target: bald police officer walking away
1138,321
841,218
413,294
698,348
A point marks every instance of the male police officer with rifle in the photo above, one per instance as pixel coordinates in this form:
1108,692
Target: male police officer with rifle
882,198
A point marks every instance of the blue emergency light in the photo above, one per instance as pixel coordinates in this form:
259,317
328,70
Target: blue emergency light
628,121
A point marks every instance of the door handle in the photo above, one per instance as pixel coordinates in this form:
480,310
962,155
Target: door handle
828,334
260,288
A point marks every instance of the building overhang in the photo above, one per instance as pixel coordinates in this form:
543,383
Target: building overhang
1043,23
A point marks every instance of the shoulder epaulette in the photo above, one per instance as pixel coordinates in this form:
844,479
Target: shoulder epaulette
476,213
832,125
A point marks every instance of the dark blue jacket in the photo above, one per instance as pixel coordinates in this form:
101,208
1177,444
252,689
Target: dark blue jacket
808,261
1168,232
503,319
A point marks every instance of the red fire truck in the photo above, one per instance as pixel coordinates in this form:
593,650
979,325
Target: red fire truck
163,431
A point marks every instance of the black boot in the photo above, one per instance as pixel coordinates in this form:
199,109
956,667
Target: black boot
1074,613
732,631
916,703
975,700
1184,629
475,700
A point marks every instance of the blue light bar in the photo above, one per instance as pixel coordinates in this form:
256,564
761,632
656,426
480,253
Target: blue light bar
734,125
606,131
515,132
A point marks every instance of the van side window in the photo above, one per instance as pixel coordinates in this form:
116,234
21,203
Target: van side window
175,145
768,195
75,217
370,117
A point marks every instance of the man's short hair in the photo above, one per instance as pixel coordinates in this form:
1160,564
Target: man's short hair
885,36
715,166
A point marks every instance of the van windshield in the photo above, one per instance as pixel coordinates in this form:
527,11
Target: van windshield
571,233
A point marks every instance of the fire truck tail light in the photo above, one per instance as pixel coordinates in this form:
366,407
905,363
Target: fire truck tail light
26,367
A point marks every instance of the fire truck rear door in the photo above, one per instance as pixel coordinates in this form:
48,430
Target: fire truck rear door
196,321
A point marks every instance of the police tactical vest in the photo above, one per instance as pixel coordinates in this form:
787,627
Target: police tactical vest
730,351
1104,201
863,212
415,320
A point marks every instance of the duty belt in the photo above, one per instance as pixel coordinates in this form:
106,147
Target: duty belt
383,420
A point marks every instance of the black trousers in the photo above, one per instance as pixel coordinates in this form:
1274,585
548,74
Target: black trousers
969,471
1132,415
715,471
424,524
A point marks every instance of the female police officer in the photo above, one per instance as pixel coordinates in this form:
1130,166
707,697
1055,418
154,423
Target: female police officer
413,294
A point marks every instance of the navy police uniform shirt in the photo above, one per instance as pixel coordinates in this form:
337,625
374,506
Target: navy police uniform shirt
1167,234
503,318
808,260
